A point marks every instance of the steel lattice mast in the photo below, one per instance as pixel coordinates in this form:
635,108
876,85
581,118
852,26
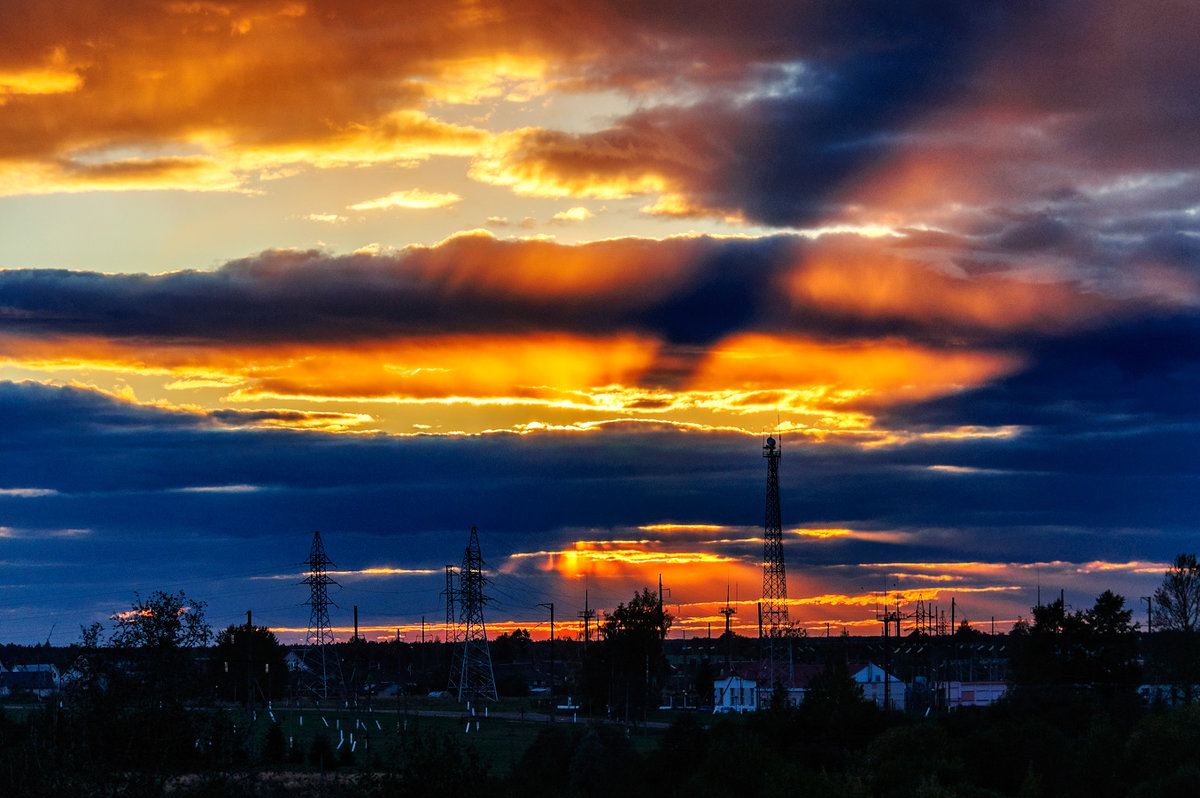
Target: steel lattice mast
475,677
774,589
319,631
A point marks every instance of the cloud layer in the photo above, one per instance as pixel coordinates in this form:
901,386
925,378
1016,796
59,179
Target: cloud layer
953,251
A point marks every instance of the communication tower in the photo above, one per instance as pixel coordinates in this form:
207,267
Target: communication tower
774,591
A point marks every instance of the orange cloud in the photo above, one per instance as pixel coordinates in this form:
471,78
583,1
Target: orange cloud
237,89
609,557
56,76
363,572
682,206
887,370
488,367
897,596
518,77
876,284
627,272
690,572
681,154
412,198
824,534
544,163
1133,567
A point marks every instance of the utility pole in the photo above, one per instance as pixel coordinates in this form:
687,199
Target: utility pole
451,621
888,617
249,665
551,606
456,653
661,616
586,616
1149,614
728,611
953,637
355,675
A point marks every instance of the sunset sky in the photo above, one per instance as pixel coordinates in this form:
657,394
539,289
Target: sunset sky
393,270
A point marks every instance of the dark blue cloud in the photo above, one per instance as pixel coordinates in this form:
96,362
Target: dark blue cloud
1124,376
286,296
710,288
120,511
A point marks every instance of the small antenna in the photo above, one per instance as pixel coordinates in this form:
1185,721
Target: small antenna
728,612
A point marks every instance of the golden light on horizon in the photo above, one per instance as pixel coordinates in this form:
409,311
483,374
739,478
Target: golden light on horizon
888,369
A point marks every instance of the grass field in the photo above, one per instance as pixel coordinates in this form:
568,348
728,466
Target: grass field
499,733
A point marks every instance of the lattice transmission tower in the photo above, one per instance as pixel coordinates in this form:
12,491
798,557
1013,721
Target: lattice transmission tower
472,676
321,660
773,620
453,634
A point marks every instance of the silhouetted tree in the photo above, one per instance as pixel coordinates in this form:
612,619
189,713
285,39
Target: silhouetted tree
965,633
633,646
275,746
441,766
1112,645
163,621
321,754
1050,650
234,651
832,689
511,647
1177,600
125,713
153,637
1177,614
1094,648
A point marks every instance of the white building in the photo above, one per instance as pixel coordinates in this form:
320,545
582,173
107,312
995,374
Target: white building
41,680
885,690
974,694
735,694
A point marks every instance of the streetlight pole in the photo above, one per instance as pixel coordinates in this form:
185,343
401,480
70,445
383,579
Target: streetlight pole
551,606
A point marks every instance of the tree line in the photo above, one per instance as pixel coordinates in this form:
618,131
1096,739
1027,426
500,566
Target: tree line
138,710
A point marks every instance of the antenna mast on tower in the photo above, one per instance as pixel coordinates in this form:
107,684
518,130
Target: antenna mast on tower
728,611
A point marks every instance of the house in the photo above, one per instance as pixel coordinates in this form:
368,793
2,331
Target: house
734,694
871,678
295,661
796,685
41,680
974,694
885,690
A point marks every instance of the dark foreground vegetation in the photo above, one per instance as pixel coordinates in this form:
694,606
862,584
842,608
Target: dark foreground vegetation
152,710
1058,744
